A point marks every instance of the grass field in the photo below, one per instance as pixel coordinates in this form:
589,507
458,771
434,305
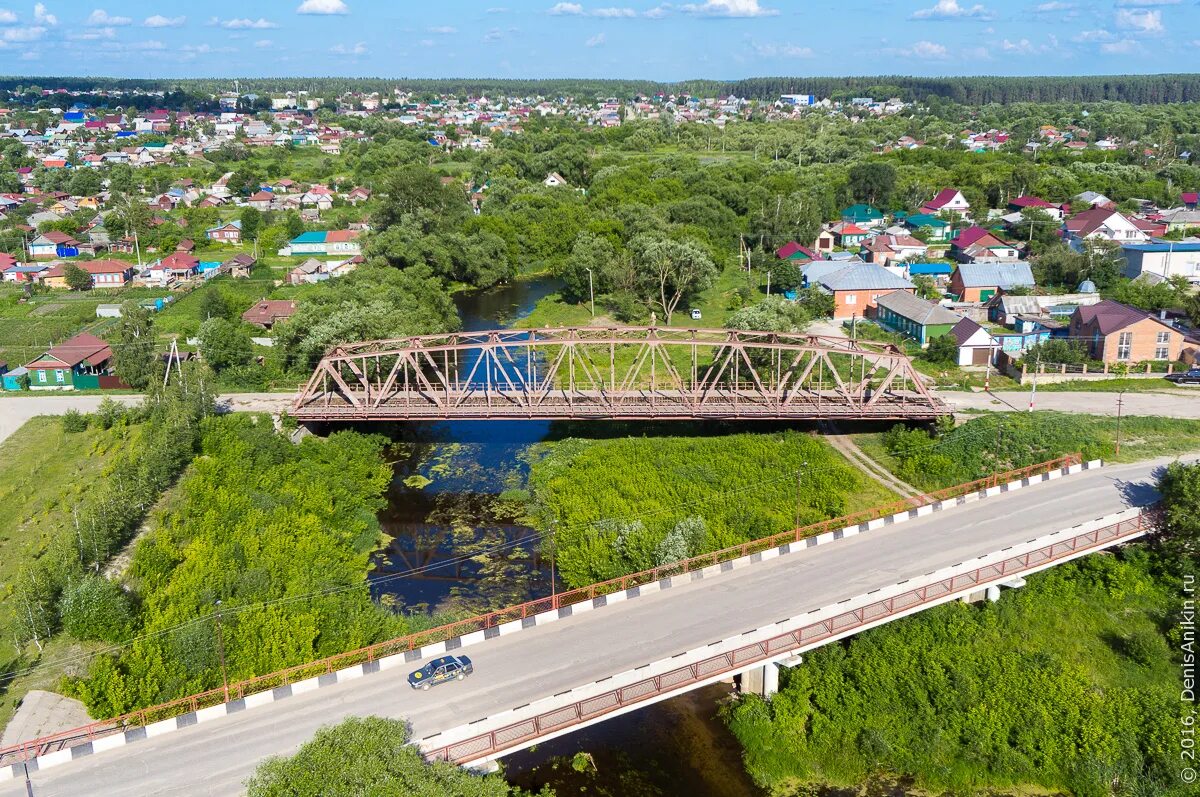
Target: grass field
744,486
44,473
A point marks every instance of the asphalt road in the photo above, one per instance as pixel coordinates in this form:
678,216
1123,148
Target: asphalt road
1182,402
216,758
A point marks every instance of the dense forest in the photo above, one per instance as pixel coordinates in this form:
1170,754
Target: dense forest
980,90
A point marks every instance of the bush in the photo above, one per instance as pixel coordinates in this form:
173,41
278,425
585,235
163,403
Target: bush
95,608
1145,647
74,421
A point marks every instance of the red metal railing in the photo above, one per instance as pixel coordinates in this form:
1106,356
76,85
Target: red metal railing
262,683
514,735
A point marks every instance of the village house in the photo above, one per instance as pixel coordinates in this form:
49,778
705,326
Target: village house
267,312
239,266
1163,259
332,242
975,345
857,288
104,273
1104,224
978,282
260,200
888,249
914,317
80,363
979,245
53,244
848,235
936,229
948,200
230,232
1117,333
175,266
862,216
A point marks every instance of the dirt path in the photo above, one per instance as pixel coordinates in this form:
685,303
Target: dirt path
845,445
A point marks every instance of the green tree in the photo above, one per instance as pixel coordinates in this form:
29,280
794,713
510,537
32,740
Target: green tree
77,279
670,271
213,304
84,182
251,219
872,182
590,253
942,350
93,607
133,355
1180,489
224,344
1038,228
367,756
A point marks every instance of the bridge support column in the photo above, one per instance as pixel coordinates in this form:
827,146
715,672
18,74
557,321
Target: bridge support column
486,767
762,680
993,594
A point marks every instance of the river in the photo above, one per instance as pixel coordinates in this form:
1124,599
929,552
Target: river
446,505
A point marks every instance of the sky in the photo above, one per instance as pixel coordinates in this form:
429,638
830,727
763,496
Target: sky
647,39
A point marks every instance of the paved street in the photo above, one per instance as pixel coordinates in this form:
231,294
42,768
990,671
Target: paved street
215,758
1172,403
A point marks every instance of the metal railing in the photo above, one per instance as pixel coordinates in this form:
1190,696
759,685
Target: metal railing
517,733
416,640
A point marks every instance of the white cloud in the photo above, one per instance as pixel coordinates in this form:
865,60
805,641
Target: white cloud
29,34
426,42
7,17
615,13
950,9
446,29
1099,35
729,8
42,16
768,50
323,7
159,21
1122,47
493,35
566,10
497,10
263,43
101,19
358,48
596,41
255,24
93,34
1026,47
927,49
1054,5
1146,3
1145,22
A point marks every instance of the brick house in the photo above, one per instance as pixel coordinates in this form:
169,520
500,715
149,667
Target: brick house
856,288
978,282
104,273
1118,333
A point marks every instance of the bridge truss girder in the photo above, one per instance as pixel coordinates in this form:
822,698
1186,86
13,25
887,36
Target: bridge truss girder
615,372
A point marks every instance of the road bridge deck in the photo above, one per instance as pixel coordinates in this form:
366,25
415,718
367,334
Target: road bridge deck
215,758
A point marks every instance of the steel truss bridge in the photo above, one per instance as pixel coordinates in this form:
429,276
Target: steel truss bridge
649,373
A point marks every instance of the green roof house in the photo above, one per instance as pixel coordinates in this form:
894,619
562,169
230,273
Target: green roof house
939,229
863,216
914,317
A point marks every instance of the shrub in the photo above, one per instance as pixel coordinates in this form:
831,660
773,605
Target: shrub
95,608
74,421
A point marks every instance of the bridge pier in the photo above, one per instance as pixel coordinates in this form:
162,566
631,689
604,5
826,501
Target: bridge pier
764,679
992,593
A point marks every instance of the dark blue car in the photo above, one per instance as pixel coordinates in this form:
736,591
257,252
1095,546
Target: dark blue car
447,668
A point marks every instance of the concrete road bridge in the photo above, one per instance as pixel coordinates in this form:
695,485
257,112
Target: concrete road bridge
615,373
589,655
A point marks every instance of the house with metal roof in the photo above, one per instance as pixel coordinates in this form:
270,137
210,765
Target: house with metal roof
82,362
862,215
978,282
1116,332
857,288
914,317
1163,258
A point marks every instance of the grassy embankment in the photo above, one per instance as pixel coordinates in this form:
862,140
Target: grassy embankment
1065,685
44,473
613,501
1000,441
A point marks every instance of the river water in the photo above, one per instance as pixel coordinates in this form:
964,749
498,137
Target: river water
446,505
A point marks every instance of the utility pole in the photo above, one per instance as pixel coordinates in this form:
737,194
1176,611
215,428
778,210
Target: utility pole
591,293
1033,391
553,579
1120,404
221,651
799,490
28,783
768,283
853,326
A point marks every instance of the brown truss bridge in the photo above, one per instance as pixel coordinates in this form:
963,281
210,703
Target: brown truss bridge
650,373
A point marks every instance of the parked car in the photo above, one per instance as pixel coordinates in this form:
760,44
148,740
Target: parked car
447,668
695,314
1188,377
